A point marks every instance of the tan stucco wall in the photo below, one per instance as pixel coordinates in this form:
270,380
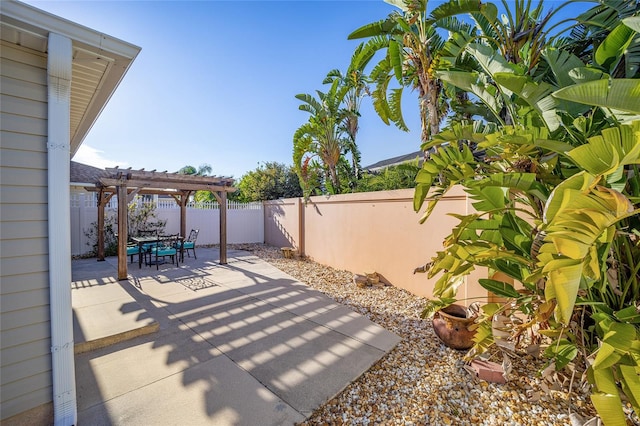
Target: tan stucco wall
375,231
281,223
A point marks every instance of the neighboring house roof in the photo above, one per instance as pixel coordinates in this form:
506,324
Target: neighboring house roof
99,61
394,161
85,175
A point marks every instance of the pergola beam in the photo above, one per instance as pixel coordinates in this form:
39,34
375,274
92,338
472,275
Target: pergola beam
164,185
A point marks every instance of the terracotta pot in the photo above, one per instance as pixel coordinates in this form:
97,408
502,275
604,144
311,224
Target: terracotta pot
451,325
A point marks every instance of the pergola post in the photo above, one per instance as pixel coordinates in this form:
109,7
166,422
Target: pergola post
184,199
103,199
223,227
123,235
100,226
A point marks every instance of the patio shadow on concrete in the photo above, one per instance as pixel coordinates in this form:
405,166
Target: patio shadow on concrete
242,343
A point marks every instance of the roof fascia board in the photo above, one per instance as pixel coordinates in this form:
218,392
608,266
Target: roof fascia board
41,22
119,52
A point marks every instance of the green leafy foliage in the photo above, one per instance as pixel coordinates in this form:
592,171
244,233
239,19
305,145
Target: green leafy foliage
269,181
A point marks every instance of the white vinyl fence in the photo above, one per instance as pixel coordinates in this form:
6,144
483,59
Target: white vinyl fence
245,222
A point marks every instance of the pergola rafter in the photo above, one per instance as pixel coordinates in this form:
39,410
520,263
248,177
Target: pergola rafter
127,183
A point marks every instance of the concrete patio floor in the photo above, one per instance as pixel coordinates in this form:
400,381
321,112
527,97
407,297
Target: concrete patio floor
204,343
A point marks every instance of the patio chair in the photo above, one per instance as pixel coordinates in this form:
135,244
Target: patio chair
190,243
166,247
133,250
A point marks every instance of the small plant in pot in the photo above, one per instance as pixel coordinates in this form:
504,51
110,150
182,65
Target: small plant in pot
454,326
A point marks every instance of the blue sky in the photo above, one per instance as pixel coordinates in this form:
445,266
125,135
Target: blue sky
215,80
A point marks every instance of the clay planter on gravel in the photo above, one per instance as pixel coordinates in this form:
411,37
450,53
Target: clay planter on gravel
451,326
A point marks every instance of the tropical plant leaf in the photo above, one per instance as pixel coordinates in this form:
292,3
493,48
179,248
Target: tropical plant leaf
632,57
562,285
489,198
561,63
606,357
596,157
609,407
455,47
611,49
475,83
562,352
366,51
579,181
585,74
458,7
537,95
379,96
491,61
384,26
630,315
395,108
631,384
619,336
483,339
395,58
632,22
499,288
400,4
604,154
620,94
604,380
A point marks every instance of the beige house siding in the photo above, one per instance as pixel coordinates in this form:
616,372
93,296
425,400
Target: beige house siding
25,362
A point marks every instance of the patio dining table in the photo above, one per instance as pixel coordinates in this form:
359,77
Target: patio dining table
141,240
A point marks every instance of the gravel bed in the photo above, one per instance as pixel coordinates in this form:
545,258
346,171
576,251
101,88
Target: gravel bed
421,381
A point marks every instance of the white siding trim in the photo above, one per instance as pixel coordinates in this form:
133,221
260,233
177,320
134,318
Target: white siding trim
59,151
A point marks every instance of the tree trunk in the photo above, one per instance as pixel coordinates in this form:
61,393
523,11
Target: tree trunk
333,175
429,111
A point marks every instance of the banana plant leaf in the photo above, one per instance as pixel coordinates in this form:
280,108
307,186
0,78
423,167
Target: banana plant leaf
613,46
585,74
537,95
631,384
629,315
632,22
492,62
385,26
395,58
499,288
561,63
475,83
621,94
562,351
606,153
609,407
458,7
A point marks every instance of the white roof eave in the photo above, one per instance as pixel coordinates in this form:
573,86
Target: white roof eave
30,27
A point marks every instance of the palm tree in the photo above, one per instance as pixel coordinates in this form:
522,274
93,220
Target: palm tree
323,136
355,81
203,170
411,47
